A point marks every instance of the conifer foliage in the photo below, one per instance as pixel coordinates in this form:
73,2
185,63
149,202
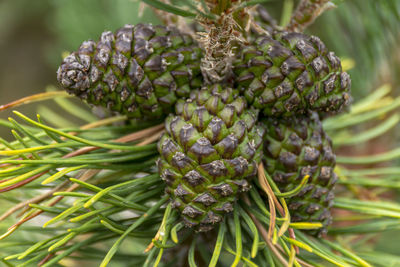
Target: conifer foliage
218,149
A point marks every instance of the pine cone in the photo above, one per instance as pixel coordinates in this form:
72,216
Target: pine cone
293,148
210,149
290,73
140,70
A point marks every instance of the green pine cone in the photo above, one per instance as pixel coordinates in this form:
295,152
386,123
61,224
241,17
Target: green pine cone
208,151
290,73
293,148
139,71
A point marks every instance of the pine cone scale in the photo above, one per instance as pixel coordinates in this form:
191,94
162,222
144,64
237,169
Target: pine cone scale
139,71
289,73
208,151
294,148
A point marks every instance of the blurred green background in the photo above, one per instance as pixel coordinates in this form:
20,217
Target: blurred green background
34,35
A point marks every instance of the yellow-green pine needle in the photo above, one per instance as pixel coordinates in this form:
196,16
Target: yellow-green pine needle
63,241
11,257
368,101
25,176
245,260
295,191
348,120
348,253
238,236
61,173
38,245
174,232
111,227
292,256
79,139
298,244
138,222
104,192
386,156
218,245
253,229
348,63
89,214
306,225
65,214
32,149
192,262
352,139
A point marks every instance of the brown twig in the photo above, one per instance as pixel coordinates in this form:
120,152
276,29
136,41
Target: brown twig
24,182
271,197
265,235
103,122
267,188
140,134
271,203
34,98
151,139
46,259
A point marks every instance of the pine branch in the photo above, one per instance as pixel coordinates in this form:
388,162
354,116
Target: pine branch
102,191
